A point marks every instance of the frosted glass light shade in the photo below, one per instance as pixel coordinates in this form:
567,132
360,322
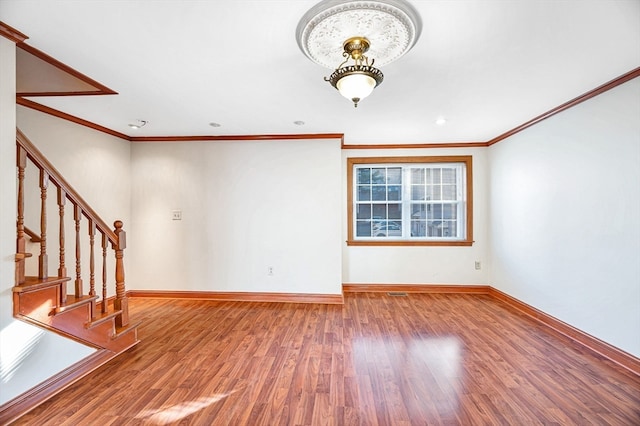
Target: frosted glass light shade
356,86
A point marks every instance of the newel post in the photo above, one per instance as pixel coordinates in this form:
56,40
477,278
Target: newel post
121,302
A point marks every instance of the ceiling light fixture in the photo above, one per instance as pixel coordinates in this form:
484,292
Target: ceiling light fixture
139,124
356,82
387,29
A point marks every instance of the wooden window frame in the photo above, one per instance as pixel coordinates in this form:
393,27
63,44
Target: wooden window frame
466,159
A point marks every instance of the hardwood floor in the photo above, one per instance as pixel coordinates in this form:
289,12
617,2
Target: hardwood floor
421,359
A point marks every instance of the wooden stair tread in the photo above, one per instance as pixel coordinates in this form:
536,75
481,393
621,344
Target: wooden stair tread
35,283
73,302
102,317
127,329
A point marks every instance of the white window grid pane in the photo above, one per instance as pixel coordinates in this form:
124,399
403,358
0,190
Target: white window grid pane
441,184
379,219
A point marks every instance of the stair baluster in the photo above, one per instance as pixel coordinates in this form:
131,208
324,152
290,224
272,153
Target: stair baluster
21,241
105,244
62,198
77,216
43,268
92,265
62,269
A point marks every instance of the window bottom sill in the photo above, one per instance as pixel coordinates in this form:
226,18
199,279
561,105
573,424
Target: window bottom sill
411,243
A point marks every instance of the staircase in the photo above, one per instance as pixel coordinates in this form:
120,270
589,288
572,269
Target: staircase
92,317
38,301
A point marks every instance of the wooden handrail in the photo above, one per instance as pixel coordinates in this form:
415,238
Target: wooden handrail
81,209
41,162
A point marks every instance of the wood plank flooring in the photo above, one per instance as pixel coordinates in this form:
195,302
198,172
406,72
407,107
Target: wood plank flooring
423,359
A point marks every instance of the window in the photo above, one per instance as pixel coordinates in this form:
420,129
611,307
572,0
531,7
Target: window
409,201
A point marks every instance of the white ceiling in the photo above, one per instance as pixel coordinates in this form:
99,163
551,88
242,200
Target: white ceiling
487,66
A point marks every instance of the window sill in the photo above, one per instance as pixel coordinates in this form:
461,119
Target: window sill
456,243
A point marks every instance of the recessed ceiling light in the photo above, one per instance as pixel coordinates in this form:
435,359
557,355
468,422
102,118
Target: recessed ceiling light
441,121
299,123
214,124
138,124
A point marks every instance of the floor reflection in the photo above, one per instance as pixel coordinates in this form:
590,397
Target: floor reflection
422,377
172,413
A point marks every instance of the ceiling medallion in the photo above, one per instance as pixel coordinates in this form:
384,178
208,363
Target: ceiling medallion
333,30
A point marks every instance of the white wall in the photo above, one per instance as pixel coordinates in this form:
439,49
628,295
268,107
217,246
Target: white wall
96,164
28,355
8,176
565,216
246,206
422,265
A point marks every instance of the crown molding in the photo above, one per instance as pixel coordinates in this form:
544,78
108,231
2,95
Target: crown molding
39,107
573,102
11,33
141,139
419,145
237,137
100,89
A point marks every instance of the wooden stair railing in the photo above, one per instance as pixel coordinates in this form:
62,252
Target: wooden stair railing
115,238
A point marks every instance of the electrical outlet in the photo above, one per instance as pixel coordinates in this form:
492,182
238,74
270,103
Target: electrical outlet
176,215
269,270
478,265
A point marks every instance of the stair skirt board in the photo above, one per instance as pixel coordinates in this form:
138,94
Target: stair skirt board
39,301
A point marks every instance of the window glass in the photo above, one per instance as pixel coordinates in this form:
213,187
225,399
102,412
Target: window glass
411,200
